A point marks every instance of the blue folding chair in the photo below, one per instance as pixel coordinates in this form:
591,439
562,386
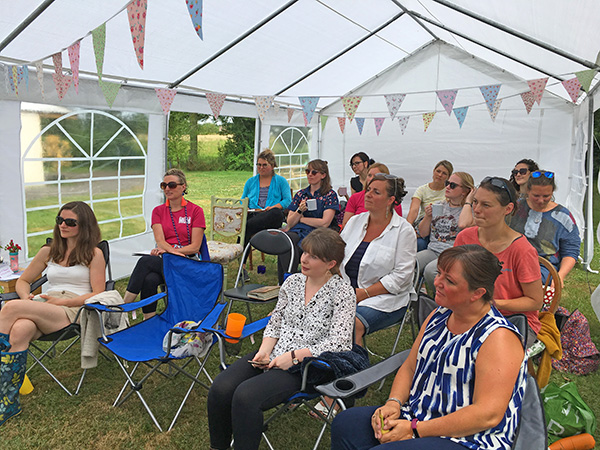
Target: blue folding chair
193,291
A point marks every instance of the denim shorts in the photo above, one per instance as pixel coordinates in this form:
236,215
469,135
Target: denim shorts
374,320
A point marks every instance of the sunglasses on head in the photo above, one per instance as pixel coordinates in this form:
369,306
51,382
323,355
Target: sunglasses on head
542,173
68,222
312,172
170,185
499,183
522,171
452,184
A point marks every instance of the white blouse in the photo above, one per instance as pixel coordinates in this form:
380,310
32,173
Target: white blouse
75,279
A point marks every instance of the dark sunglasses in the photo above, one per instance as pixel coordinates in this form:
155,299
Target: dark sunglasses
312,172
68,222
452,184
522,171
542,173
170,185
499,183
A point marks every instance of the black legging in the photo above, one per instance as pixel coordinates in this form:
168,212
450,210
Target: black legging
237,399
145,279
262,220
283,261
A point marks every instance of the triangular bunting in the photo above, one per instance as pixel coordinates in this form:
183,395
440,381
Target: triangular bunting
216,102
263,103
323,122
378,123
14,80
403,121
528,99
572,86
309,104
62,83
394,102
110,90
360,123
427,118
537,88
136,12
39,71
57,61
489,94
494,111
351,105
25,76
194,7
342,123
447,99
290,112
585,77
276,108
99,41
461,114
165,97
74,61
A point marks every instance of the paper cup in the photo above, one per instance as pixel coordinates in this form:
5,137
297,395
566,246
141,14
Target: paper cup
235,325
437,210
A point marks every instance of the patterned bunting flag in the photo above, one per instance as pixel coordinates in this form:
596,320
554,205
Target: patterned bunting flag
342,123
323,122
378,123
309,104
14,80
360,123
537,88
572,86
494,111
39,71
74,61
403,121
62,83
16,75
351,105
447,99
99,41
461,114
276,108
585,77
57,61
427,118
290,112
394,102
528,99
165,97
489,94
194,7
110,91
263,103
216,102
136,12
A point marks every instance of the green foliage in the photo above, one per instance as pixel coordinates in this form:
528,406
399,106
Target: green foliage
237,152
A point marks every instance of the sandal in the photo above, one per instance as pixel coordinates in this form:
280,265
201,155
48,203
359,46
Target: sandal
324,410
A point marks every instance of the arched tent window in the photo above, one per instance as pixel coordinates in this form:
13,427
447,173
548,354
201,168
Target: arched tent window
291,146
87,155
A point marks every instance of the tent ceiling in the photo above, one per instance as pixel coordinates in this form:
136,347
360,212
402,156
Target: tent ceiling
300,39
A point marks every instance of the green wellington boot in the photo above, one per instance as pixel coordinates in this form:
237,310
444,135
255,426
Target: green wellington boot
12,373
4,344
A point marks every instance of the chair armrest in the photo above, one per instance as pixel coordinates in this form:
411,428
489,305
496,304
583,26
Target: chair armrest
312,362
249,329
125,307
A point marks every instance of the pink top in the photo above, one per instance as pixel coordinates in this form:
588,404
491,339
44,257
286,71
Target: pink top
356,204
195,219
519,265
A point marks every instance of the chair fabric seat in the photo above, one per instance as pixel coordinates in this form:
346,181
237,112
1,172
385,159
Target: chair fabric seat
223,253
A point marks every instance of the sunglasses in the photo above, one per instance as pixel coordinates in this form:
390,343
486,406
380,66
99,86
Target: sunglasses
312,172
522,171
452,184
68,222
170,185
499,183
542,173
262,165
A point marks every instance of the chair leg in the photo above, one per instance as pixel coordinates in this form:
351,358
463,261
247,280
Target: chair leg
39,362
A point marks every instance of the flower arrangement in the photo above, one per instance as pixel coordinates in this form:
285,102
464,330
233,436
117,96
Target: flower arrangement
11,247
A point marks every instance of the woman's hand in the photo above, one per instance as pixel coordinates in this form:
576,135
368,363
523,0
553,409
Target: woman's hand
302,206
398,430
53,300
429,211
470,196
262,359
157,251
380,419
283,362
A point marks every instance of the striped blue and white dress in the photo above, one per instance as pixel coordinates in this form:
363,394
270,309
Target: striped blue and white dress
444,378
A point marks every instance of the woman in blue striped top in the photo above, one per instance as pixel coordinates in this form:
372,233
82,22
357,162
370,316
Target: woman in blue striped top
464,379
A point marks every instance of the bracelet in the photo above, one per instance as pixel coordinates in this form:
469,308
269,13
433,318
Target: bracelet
413,425
467,203
394,399
367,292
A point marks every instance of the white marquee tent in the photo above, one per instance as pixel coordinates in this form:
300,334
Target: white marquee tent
326,49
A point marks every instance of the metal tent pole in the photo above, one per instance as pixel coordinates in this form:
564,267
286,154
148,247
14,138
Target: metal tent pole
34,15
589,217
413,17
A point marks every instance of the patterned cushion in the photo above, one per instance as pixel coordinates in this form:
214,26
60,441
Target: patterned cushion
222,252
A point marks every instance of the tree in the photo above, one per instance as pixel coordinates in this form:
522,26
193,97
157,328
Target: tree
238,150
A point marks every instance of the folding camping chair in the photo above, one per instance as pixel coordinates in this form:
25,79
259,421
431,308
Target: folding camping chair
193,290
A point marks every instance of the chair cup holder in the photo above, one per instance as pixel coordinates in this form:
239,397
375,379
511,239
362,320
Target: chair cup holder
344,385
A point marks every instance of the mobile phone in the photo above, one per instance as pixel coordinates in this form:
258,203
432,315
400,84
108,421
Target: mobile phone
259,363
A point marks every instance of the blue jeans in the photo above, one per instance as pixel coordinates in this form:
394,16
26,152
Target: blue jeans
374,320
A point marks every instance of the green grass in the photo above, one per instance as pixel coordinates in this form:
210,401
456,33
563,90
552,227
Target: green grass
50,419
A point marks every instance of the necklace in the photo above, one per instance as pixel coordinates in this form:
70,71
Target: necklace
187,226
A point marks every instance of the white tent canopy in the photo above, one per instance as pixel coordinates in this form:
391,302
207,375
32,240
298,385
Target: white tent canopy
328,49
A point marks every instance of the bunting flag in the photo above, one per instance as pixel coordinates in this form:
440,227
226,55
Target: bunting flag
309,104
290,112
342,123
537,88
276,108
136,12
528,99
110,90
57,61
394,102
215,102
62,83
74,61
427,118
461,114
585,77
495,110
39,71
99,41
351,105
378,123
403,121
263,103
195,9
25,70
14,80
572,86
489,94
360,123
323,122
165,97
447,99
16,75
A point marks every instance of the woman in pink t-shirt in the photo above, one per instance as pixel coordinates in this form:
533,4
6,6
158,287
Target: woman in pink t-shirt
519,288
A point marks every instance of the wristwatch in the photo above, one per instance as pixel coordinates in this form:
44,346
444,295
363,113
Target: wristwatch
413,425
294,359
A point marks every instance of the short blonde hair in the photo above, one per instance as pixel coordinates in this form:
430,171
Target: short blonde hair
268,155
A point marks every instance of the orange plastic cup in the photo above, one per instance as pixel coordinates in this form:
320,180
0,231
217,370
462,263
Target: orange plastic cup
235,325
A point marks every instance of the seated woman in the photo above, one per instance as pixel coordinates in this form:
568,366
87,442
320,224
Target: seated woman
476,404
302,219
359,163
548,226
519,288
356,204
425,195
380,257
178,227
520,175
314,314
76,271
442,228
